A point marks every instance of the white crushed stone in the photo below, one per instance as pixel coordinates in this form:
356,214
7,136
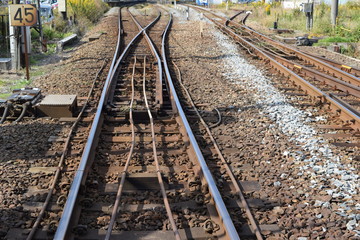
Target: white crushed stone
292,122
180,13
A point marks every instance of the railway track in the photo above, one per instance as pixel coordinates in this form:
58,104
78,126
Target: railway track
333,85
141,173
51,178
142,210
131,165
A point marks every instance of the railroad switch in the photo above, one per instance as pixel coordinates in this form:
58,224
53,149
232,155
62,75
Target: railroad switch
19,104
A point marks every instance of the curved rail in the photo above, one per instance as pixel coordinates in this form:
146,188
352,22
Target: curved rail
124,172
237,186
5,113
155,53
307,58
345,113
62,159
158,172
65,220
220,205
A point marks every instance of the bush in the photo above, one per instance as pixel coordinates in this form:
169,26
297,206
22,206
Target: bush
89,9
50,33
59,23
34,34
352,5
81,26
333,40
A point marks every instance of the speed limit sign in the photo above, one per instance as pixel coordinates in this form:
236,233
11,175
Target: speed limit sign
23,14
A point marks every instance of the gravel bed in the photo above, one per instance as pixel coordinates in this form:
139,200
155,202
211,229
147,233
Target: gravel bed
24,144
311,180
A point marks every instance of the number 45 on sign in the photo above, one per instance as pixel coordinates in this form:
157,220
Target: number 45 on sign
23,15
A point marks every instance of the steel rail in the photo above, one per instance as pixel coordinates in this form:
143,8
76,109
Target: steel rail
346,69
352,70
65,220
342,75
219,203
62,159
238,187
122,56
124,172
353,89
162,187
158,171
307,58
159,97
329,80
346,114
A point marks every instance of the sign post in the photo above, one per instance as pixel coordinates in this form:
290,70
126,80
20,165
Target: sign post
26,54
23,15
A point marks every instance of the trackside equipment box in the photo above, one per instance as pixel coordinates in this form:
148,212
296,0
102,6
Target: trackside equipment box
58,106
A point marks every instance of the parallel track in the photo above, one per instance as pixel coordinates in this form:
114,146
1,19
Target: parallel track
273,52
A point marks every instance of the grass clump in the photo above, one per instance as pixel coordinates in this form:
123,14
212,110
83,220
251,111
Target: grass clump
335,39
347,28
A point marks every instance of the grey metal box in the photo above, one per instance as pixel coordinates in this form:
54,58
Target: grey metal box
58,106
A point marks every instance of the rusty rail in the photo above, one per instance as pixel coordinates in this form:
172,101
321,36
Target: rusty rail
82,170
352,70
329,80
349,115
254,226
317,62
158,172
219,203
124,172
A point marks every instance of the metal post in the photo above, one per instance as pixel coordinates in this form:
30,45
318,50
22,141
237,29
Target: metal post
308,21
187,12
309,12
334,11
201,24
175,3
43,46
26,54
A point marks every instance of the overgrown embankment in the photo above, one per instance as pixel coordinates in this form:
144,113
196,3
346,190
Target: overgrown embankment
347,28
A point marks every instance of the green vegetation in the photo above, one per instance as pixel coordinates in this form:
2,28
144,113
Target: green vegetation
347,29
13,84
85,13
89,9
335,39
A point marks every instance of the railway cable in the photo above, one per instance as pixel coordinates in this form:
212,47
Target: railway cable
238,188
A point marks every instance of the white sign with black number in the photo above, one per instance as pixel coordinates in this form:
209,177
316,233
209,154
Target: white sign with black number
23,15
